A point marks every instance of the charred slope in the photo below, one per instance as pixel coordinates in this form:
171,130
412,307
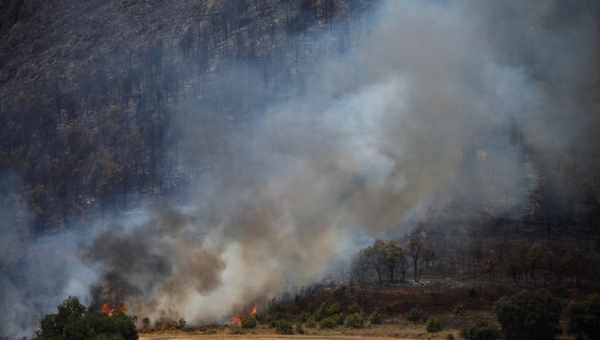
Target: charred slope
90,89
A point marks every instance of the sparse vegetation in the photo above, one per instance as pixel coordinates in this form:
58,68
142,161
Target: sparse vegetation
375,318
416,315
482,331
433,325
284,327
354,320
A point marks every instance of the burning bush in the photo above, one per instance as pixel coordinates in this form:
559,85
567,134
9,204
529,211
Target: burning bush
529,316
75,322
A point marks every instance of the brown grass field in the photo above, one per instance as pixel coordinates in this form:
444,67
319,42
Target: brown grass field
401,331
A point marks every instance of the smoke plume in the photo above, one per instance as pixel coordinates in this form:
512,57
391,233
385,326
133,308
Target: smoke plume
387,128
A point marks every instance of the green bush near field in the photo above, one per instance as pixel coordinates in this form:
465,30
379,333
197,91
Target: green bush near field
75,322
529,316
584,319
482,331
433,325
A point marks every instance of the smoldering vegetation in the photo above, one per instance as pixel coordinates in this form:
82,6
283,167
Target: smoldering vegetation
467,107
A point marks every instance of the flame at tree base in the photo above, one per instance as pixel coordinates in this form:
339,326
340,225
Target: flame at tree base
111,310
236,320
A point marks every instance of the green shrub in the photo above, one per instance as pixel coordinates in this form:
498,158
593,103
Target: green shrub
584,319
284,327
433,325
375,318
332,309
311,323
331,321
354,308
354,320
75,322
482,331
529,316
415,315
299,329
249,322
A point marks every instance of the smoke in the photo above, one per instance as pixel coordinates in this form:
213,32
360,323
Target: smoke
422,108
37,273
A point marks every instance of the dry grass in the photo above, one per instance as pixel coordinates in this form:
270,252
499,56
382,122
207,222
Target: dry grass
401,331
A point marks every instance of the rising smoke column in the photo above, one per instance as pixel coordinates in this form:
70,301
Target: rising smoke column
384,131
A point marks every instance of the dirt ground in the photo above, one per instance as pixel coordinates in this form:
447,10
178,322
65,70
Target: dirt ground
258,337
388,331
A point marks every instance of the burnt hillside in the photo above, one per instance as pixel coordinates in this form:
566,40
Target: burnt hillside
91,89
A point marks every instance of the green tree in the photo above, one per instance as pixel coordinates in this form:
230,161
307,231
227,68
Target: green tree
529,316
75,322
584,319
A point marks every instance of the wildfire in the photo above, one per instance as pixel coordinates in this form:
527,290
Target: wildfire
236,320
110,310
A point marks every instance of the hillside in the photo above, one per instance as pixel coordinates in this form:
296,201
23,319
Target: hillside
91,89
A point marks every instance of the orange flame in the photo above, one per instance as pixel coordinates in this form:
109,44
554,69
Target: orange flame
110,310
236,320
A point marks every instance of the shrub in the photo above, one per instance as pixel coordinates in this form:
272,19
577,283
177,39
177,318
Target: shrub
375,318
450,336
331,321
311,323
415,315
584,319
332,309
300,329
284,327
529,316
236,330
481,331
146,324
181,323
75,322
354,308
433,325
354,320
459,309
249,322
